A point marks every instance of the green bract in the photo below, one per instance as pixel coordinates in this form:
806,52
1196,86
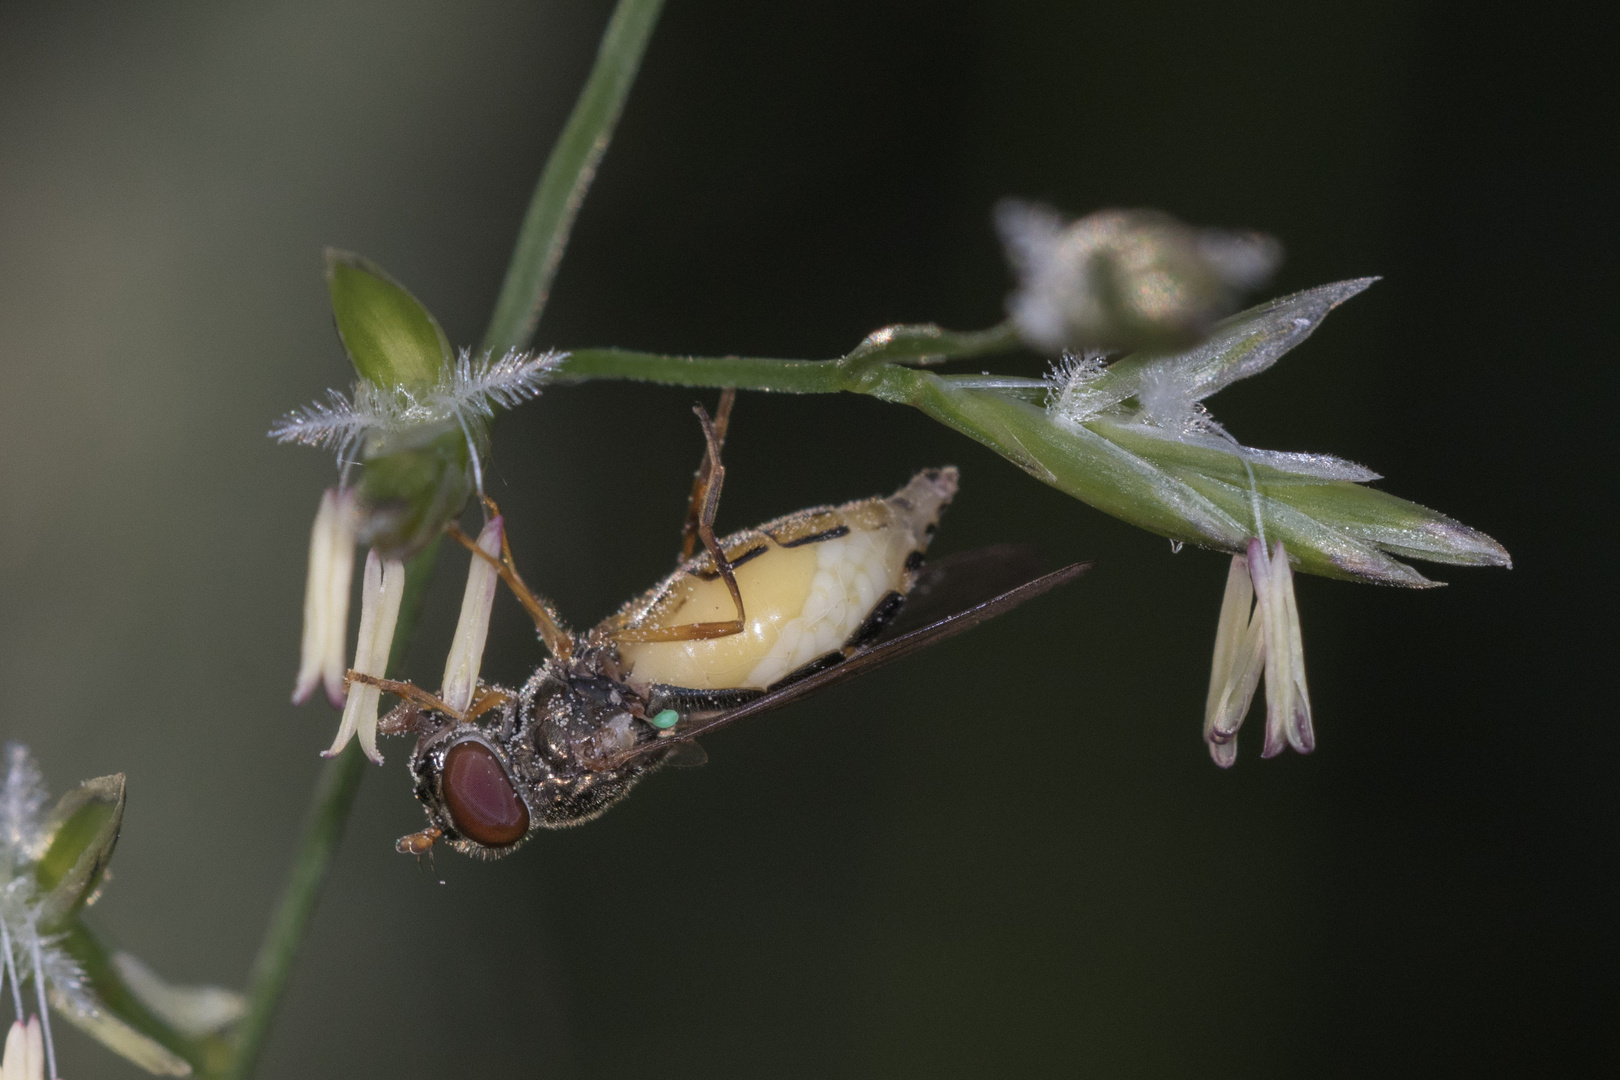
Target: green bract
417,475
81,834
390,337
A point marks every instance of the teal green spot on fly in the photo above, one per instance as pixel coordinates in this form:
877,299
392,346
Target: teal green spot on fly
665,720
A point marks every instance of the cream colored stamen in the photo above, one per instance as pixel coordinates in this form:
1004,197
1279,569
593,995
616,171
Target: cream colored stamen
1288,703
25,1052
1235,672
326,597
381,590
472,629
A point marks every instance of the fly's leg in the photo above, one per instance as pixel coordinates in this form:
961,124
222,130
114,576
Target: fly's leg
712,477
556,639
700,481
489,699
409,691
418,843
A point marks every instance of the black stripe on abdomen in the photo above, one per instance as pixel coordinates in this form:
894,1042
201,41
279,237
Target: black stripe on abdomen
815,538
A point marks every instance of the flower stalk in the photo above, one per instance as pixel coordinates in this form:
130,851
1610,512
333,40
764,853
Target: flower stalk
542,240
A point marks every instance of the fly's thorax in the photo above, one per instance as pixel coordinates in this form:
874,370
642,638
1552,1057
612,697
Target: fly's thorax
578,725
811,583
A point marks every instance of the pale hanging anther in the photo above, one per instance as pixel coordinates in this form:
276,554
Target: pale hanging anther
472,628
1266,640
25,1052
1288,702
1239,658
326,597
380,593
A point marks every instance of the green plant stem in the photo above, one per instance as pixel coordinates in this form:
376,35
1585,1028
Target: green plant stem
323,830
541,242
870,368
568,174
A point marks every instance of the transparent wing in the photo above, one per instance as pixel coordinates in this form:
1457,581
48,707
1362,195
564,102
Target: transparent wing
880,652
961,581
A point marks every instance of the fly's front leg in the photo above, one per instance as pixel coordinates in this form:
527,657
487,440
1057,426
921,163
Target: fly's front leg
713,478
409,691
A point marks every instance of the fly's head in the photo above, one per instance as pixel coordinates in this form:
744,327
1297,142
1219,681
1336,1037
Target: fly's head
474,780
556,753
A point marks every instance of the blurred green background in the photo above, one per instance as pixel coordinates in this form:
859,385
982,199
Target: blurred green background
1010,856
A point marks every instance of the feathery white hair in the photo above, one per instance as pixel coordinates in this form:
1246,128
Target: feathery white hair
468,388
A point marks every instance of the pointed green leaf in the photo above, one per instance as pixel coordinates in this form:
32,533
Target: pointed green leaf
390,337
1241,346
1400,527
82,832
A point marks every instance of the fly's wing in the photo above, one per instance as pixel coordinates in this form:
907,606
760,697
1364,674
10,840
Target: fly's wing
965,580
881,652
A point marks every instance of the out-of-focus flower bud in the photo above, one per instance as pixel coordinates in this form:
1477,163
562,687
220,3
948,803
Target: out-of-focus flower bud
77,841
1124,279
53,864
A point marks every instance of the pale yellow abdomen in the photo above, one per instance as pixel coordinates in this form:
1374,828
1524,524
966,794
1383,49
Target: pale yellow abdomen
808,582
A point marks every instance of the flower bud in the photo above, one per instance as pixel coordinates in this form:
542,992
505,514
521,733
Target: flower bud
1122,279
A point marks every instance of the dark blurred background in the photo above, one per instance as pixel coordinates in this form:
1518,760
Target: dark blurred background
1010,856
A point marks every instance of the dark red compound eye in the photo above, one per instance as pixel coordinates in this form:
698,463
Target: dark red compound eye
481,800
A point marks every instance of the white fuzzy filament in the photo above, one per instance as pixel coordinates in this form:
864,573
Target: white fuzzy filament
472,629
326,597
381,590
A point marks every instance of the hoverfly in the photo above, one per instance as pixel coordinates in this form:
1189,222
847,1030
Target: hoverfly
747,624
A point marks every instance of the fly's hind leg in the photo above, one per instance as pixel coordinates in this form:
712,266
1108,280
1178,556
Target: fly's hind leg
710,479
700,481
556,639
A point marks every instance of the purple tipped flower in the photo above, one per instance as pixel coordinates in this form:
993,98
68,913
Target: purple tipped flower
1251,641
